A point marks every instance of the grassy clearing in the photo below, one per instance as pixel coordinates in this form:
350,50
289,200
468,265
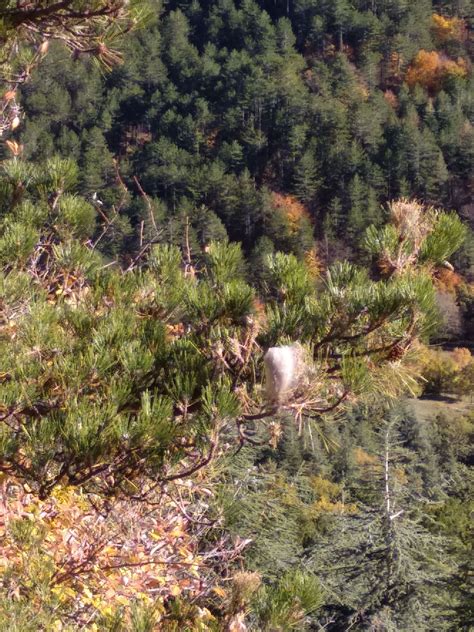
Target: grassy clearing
450,405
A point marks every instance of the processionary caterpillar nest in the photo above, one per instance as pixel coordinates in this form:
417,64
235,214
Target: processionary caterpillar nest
285,367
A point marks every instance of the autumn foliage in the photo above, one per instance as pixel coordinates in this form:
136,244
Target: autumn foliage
430,69
90,557
447,280
448,372
293,228
291,209
445,28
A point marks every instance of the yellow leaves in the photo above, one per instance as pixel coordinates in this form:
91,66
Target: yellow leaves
328,503
182,550
327,506
445,28
364,459
177,532
64,593
401,475
293,210
455,68
430,68
323,487
219,591
102,559
105,609
87,593
64,494
193,570
424,69
313,263
327,499
442,24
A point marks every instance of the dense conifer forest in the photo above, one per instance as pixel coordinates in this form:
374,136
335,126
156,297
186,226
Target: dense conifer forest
236,315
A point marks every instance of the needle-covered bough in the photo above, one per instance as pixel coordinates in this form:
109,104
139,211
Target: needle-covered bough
111,375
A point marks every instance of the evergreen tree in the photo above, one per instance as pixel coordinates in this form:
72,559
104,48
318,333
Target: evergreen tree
306,177
133,333
388,571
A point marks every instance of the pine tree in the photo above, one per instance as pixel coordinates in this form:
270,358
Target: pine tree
133,332
98,171
111,357
95,30
306,181
387,571
363,209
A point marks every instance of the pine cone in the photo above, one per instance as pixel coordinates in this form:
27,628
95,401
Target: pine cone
397,352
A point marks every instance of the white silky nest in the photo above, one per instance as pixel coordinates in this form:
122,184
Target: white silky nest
283,369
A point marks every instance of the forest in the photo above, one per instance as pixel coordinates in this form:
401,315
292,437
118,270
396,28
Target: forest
236,315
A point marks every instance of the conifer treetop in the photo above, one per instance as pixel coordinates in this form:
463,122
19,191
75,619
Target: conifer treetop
27,29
